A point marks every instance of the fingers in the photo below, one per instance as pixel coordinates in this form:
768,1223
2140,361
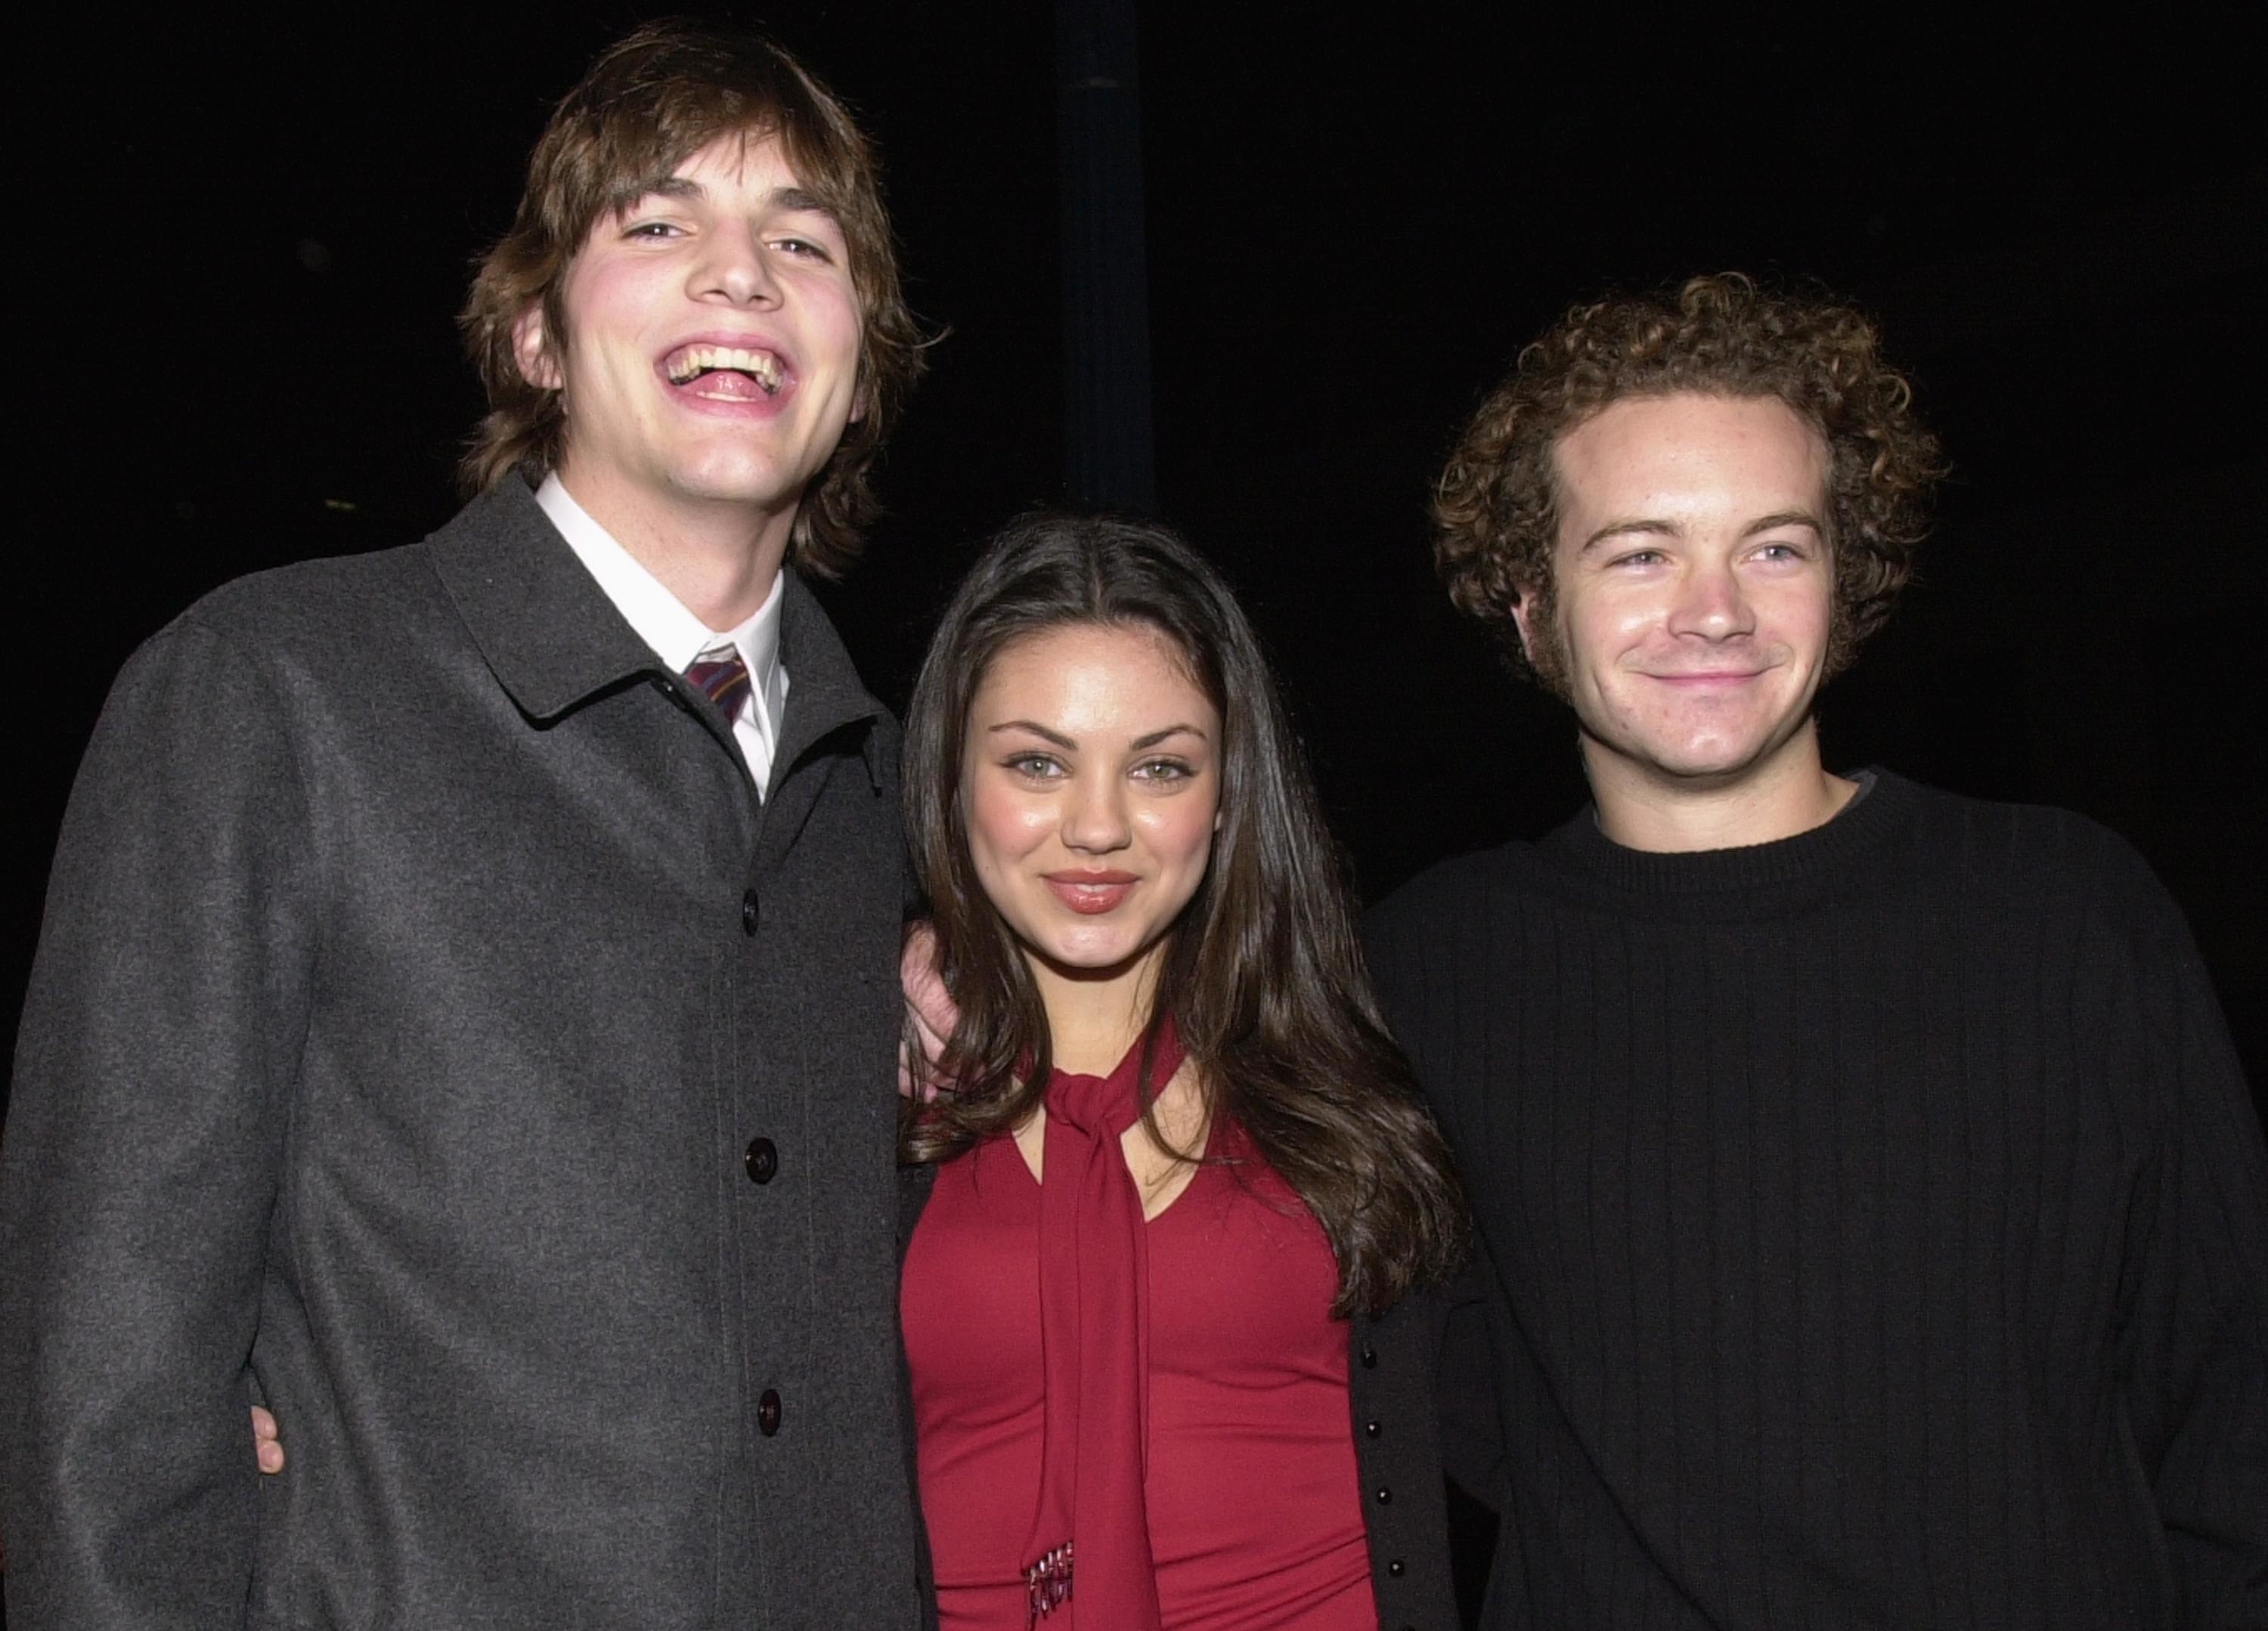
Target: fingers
267,1446
931,1015
918,1049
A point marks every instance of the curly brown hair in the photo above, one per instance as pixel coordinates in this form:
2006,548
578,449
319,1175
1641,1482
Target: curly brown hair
1496,509
649,102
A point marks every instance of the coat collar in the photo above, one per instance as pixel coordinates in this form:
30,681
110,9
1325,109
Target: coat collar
544,627
554,641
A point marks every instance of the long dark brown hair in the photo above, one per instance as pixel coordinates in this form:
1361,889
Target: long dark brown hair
1262,975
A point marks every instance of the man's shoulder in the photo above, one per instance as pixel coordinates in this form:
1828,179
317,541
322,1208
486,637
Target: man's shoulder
368,609
341,600
1990,848
1456,887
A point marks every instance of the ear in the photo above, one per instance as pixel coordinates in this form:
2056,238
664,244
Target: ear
531,348
1523,609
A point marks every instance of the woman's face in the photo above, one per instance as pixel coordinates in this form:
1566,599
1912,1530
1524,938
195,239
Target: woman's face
1090,780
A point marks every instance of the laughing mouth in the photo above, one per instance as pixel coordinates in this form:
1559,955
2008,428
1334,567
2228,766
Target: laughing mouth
690,363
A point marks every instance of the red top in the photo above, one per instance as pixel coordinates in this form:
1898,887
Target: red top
1254,1501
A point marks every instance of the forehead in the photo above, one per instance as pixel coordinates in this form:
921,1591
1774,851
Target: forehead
755,155
1102,670
1644,455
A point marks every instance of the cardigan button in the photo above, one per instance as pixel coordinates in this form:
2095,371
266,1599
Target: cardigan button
768,1412
1385,1495
1369,1357
1370,1429
1396,1567
748,914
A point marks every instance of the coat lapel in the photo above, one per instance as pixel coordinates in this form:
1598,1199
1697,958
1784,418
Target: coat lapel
824,699
554,641
544,627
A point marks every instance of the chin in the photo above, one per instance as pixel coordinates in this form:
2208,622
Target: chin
1087,958
1714,758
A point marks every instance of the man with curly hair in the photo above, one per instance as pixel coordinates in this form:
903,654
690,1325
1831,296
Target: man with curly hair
1876,1219
463,1013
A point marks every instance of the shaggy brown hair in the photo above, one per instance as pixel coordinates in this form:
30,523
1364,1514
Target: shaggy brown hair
647,105
1496,510
1263,976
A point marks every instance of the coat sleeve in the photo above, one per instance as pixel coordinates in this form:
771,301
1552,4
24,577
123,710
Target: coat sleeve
139,1167
2197,1343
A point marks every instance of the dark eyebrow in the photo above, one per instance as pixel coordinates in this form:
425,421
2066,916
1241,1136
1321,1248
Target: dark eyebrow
1663,529
1785,518
1658,529
794,199
1065,743
1057,737
1156,737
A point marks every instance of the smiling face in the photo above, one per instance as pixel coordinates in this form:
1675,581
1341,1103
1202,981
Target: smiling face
1692,595
712,346
1090,787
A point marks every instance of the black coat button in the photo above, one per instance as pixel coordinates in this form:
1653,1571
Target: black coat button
768,1412
748,914
1396,1567
1369,1357
1370,1429
763,1160
1385,1495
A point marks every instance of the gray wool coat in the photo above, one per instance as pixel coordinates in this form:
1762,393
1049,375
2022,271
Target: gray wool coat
432,1032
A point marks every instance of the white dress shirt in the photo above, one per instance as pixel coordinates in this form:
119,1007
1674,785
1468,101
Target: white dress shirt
677,637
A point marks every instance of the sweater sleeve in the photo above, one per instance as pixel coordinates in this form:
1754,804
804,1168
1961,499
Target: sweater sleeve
1472,1435
1398,948
160,1032
2196,1368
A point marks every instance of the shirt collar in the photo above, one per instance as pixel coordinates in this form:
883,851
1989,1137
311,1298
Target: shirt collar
658,617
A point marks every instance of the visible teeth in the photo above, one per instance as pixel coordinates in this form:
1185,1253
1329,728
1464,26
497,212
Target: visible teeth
692,361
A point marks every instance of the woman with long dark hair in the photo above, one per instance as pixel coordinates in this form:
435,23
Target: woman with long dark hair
1162,1302
1170,1232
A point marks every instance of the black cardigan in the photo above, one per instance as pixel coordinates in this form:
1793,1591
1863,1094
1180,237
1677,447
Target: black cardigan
1390,1362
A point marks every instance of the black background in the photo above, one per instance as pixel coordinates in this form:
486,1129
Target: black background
238,251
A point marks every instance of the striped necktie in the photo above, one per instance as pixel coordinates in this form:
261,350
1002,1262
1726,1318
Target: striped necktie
723,678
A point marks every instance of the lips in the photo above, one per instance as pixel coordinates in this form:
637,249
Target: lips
727,371
1091,894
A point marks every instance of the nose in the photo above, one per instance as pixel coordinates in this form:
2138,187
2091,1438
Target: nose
1094,819
733,267
1712,604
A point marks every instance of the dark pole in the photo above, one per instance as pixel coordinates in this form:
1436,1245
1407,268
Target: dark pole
1108,458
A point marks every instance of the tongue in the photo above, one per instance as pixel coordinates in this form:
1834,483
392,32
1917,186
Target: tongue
728,384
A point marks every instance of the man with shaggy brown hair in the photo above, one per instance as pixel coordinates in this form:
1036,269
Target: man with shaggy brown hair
1876,1219
463,1009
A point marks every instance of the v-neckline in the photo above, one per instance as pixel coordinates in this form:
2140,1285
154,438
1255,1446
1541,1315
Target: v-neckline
1024,1165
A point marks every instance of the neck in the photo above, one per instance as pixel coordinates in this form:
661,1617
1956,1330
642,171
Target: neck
1789,792
1094,1019
718,559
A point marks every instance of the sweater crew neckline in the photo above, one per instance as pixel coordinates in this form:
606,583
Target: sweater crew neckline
1828,856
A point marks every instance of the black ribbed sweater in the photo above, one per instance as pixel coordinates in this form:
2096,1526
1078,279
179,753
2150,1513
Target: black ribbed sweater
1877,1225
